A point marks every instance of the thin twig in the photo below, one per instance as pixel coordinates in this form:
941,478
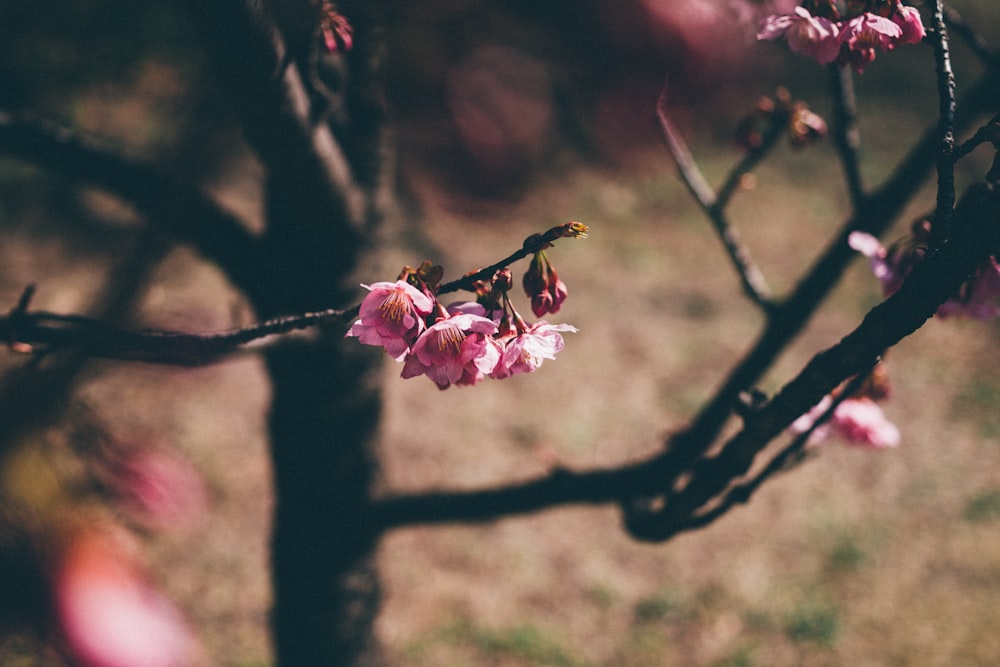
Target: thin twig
38,332
173,207
792,453
531,245
41,331
846,136
987,133
751,278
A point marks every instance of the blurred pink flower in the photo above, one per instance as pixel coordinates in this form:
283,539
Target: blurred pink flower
158,489
812,36
392,316
866,33
110,615
978,298
525,352
458,349
336,31
888,271
855,40
859,421
908,20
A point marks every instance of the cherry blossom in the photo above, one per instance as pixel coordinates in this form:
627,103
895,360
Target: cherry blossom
978,298
457,349
908,20
812,36
392,317
525,352
858,421
336,32
865,34
889,271
853,40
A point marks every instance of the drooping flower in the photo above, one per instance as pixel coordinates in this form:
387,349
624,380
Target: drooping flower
334,28
392,317
812,36
908,20
859,421
542,285
457,349
865,34
525,351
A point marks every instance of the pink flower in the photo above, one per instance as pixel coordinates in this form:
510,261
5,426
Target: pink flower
526,351
812,36
908,20
890,272
159,490
854,41
336,31
110,615
859,421
392,316
458,349
864,34
977,298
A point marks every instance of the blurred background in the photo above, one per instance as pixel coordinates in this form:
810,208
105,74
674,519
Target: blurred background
507,117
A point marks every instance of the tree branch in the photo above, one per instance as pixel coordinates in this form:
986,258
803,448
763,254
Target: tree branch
931,283
941,229
175,208
41,332
751,278
846,136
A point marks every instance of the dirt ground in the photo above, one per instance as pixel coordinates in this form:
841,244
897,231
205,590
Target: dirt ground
853,558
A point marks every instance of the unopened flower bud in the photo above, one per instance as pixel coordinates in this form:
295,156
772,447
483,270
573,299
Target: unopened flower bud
503,280
804,126
542,285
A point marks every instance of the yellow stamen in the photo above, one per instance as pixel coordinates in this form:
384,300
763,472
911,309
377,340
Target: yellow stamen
395,306
450,336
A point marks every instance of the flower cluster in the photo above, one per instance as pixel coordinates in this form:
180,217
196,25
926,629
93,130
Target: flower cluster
857,419
977,298
819,30
464,342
